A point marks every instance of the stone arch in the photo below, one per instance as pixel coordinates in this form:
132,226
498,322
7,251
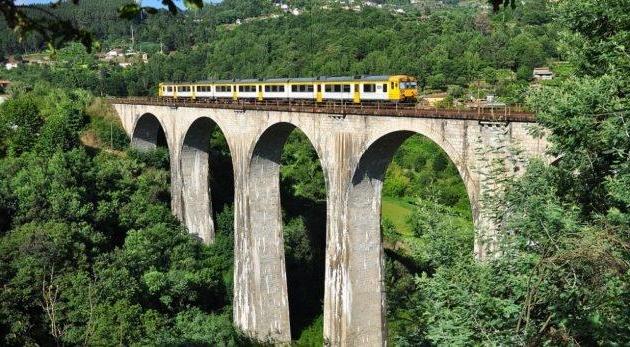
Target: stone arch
459,157
265,226
148,133
194,155
366,316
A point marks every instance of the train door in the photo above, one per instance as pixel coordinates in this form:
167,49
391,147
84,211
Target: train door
319,96
234,93
394,90
357,96
259,94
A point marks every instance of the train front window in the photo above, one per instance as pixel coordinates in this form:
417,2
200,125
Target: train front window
408,85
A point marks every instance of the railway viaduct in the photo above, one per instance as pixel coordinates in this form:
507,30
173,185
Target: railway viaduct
355,146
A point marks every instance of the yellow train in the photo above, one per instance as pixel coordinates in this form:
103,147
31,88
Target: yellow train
356,89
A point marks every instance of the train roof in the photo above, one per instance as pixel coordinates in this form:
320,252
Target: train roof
296,80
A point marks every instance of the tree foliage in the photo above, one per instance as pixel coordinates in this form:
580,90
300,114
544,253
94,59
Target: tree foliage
90,251
56,31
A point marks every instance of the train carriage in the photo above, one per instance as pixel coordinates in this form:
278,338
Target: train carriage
355,89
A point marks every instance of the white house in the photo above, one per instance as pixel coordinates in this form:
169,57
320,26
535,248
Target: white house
543,74
11,64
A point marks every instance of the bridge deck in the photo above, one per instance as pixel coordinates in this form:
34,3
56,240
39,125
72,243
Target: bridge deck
502,114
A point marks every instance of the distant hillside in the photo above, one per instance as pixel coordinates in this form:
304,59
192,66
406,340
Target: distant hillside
446,49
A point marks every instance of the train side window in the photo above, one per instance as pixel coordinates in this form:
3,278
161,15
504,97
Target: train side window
294,88
385,87
346,88
337,88
393,85
328,88
319,88
309,88
369,88
281,88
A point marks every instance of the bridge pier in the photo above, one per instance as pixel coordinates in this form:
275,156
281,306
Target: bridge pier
262,219
194,171
354,303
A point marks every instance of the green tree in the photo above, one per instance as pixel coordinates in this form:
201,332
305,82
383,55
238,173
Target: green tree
19,121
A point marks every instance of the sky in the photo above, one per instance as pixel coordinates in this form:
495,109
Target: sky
152,3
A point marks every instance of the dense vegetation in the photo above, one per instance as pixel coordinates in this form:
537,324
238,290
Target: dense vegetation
90,254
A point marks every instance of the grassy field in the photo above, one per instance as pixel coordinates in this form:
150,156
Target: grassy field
397,211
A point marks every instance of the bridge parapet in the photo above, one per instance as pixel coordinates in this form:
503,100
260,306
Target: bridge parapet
492,114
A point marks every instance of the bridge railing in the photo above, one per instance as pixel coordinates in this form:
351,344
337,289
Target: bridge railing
490,114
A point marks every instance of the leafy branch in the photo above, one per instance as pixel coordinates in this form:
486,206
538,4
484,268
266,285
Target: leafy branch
26,19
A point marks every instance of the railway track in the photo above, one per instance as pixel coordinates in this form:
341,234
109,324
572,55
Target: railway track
489,114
